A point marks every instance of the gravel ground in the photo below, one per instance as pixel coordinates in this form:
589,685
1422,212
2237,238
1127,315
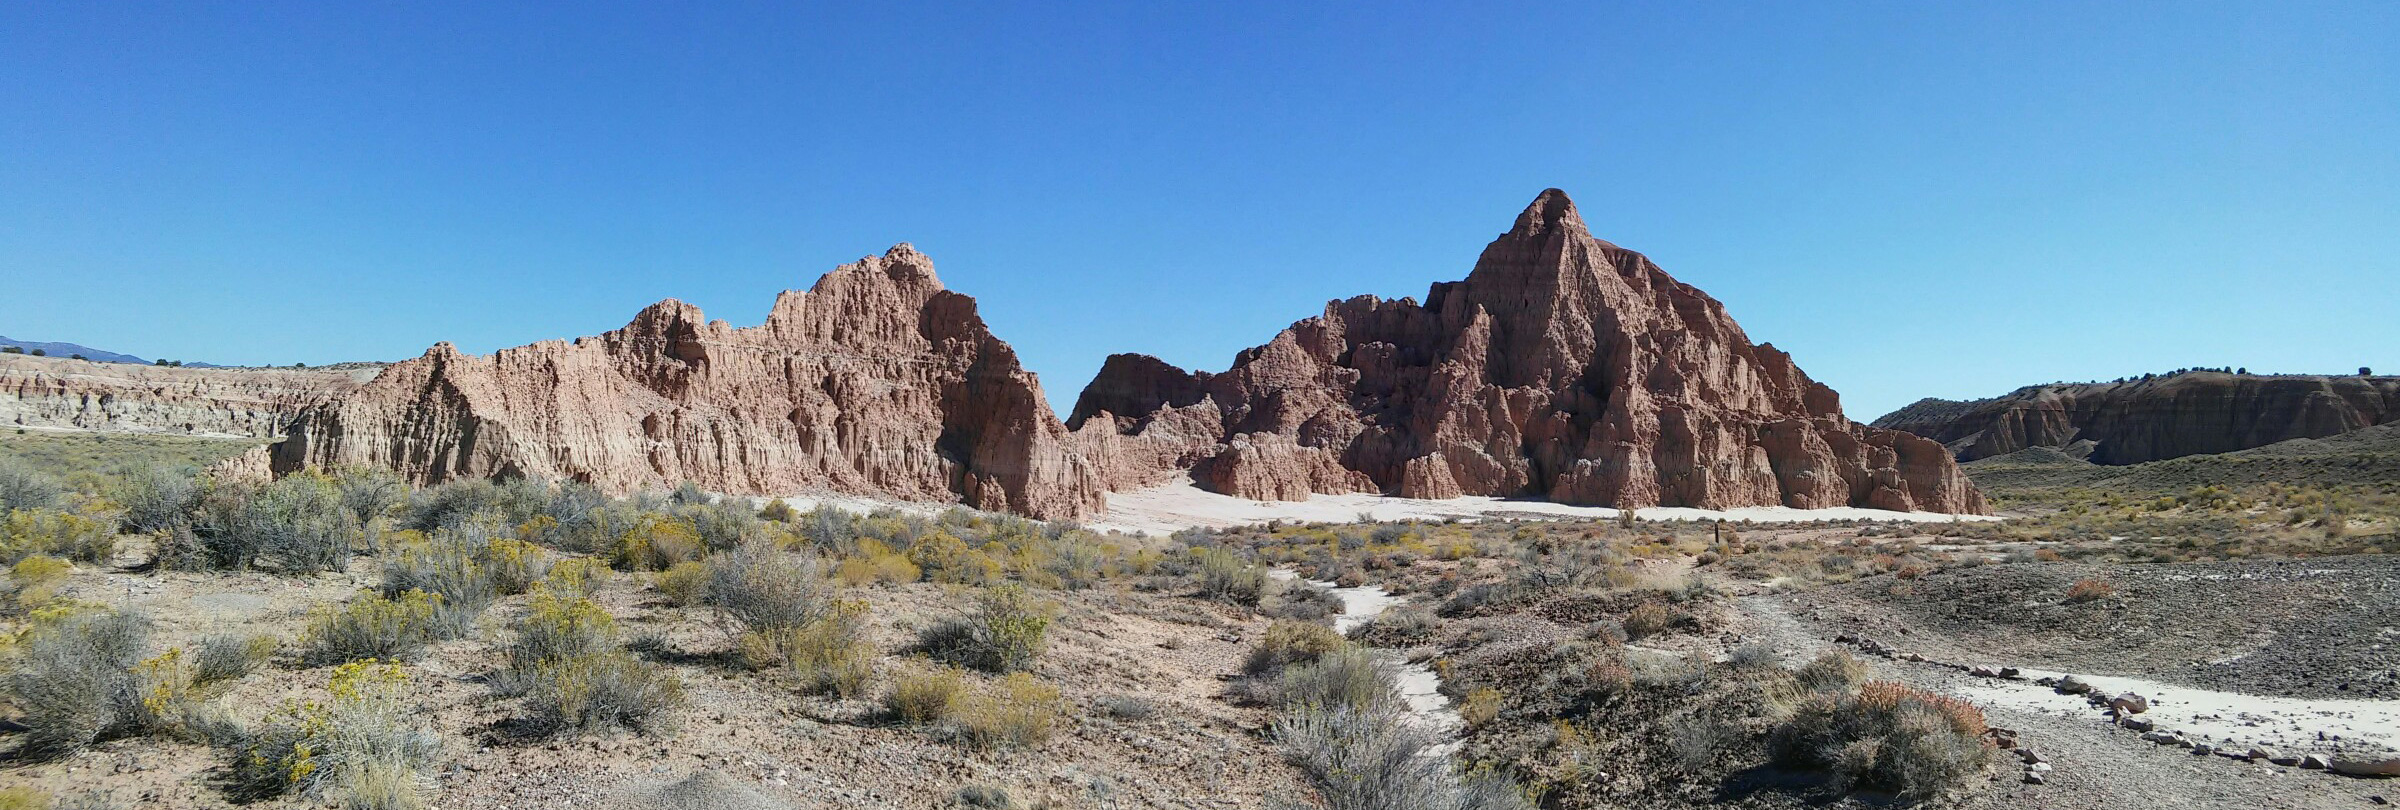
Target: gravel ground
2314,628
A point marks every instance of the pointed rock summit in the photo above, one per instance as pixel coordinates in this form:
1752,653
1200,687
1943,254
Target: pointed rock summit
1563,368
877,381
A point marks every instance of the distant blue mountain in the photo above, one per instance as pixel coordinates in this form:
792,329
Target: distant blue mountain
70,350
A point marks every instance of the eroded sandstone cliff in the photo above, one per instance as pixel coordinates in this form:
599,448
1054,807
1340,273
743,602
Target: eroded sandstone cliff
65,393
876,381
2163,417
1563,368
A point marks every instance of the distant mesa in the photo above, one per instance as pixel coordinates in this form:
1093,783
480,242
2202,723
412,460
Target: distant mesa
1563,368
2155,417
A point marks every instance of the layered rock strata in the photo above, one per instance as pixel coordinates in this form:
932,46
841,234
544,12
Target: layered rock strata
1563,368
69,394
2162,417
877,381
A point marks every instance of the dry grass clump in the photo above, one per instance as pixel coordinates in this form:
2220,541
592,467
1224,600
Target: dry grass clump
1290,642
363,750
1349,675
1649,619
1835,670
226,658
1020,715
566,664
2089,590
1889,737
684,583
1399,627
373,627
928,697
827,655
1005,632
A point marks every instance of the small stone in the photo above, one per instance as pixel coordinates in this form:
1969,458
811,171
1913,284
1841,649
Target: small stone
2034,779
2039,767
2388,766
2260,753
2073,685
2129,703
2030,757
2136,724
2314,762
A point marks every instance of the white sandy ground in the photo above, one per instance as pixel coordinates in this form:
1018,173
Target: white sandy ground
2222,719
1180,504
1420,689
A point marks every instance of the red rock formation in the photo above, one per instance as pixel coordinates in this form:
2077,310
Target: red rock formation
2162,417
877,381
1563,368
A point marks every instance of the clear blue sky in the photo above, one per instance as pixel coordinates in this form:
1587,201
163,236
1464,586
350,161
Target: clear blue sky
1914,201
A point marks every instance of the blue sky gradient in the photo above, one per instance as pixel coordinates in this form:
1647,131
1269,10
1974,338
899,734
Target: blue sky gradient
1914,201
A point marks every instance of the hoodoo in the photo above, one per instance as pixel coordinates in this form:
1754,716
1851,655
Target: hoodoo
1563,368
876,382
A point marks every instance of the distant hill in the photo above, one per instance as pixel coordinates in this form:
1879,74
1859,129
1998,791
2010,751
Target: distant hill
2368,456
2154,417
54,349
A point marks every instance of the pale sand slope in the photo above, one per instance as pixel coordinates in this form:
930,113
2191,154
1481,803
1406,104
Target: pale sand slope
1181,504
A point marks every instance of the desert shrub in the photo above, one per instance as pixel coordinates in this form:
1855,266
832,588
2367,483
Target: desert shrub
1834,670
986,797
875,562
69,535
72,677
2089,590
23,487
1126,707
155,498
594,692
1004,633
928,697
684,583
1889,737
942,557
577,576
1371,760
372,626
557,627
468,567
32,583
1019,716
1305,602
1481,706
1399,627
364,749
565,664
1288,642
1347,676
828,654
469,500
765,587
296,524
367,493
1648,619
1221,574
722,525
1754,655
656,541
778,511
227,658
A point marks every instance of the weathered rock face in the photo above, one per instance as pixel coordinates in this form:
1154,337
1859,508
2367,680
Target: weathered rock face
2158,418
877,381
57,392
1563,368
